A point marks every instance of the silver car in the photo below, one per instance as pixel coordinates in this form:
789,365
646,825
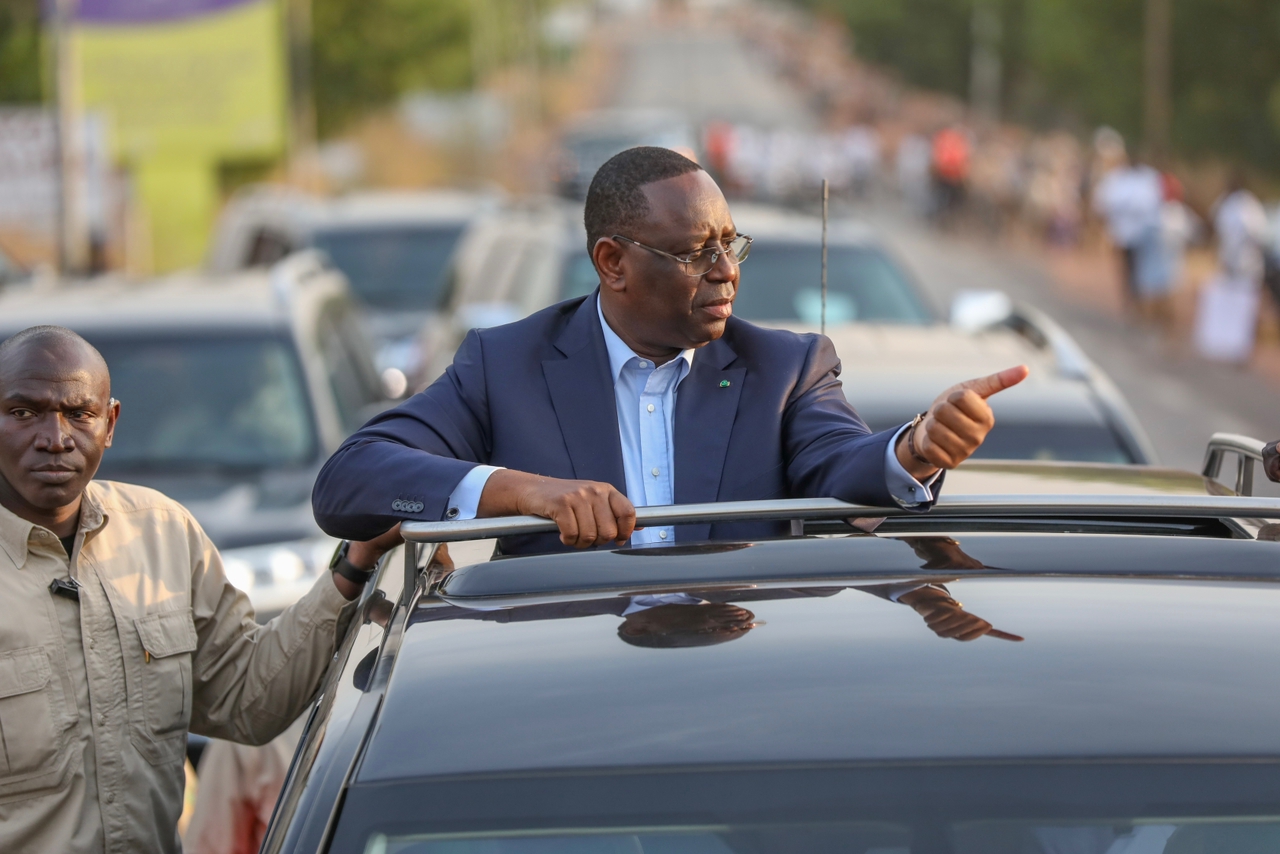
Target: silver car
398,250
233,393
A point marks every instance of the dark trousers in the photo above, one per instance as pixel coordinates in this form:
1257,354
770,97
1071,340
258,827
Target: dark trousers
1129,258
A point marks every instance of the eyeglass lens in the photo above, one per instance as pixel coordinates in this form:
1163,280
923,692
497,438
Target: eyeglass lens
701,262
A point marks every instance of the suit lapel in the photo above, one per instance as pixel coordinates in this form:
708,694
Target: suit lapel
582,394
706,407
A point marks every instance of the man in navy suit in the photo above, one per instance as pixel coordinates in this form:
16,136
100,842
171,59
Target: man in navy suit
647,392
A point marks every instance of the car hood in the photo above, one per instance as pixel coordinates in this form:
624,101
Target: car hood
1049,478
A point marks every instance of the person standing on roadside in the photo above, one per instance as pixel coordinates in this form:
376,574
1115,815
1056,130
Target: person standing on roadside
1227,315
1129,198
118,628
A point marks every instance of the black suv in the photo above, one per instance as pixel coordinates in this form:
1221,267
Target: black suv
1118,693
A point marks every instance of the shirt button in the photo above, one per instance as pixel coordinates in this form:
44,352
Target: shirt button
662,535
451,513
650,407
643,363
655,472
111,797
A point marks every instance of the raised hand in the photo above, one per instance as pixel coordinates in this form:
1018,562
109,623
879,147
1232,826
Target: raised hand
586,512
956,424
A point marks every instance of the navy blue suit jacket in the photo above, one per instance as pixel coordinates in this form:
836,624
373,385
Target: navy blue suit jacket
537,396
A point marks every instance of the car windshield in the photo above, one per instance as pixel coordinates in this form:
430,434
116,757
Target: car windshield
1047,442
1077,443
393,268
1049,809
1101,836
207,402
782,282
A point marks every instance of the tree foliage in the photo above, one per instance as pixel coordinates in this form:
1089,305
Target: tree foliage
1079,62
367,52
20,52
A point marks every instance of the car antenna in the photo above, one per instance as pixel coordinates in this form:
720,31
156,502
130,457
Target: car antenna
824,257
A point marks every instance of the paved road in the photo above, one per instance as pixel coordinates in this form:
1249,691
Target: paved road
1180,399
708,76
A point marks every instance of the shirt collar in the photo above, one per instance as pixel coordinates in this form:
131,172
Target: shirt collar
620,353
16,531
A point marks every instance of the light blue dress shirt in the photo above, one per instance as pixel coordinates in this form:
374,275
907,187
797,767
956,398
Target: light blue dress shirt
645,395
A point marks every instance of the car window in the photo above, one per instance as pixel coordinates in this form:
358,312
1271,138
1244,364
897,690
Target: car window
207,401
346,365
402,267
782,282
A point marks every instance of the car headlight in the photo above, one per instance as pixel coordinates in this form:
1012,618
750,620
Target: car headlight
277,564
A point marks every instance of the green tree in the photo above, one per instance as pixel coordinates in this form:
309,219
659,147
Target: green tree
20,51
1078,63
367,52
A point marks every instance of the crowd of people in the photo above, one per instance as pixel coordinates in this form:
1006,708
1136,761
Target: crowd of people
1050,186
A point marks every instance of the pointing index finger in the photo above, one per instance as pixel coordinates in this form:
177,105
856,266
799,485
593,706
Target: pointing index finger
986,386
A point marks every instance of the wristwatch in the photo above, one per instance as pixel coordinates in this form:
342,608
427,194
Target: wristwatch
346,568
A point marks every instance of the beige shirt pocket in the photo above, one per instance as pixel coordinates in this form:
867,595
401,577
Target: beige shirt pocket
31,732
161,709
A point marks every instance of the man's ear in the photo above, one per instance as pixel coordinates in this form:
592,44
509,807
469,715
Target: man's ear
113,415
607,255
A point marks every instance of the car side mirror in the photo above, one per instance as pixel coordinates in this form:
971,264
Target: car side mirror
975,310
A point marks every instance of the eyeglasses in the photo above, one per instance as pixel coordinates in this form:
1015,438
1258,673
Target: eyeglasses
701,262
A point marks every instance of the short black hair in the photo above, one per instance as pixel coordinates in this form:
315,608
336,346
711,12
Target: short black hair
615,199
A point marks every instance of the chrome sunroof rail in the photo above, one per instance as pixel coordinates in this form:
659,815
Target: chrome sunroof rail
799,510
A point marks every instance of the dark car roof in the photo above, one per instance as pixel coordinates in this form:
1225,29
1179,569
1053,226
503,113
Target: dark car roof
1135,646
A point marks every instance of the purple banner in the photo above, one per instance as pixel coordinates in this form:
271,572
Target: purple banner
145,11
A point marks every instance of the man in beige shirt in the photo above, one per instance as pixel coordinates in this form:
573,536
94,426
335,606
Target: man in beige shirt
118,629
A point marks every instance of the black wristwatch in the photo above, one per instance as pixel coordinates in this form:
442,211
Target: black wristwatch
346,568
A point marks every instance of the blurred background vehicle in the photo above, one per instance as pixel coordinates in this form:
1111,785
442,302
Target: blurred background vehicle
400,253
233,390
10,271
591,139
530,255
898,353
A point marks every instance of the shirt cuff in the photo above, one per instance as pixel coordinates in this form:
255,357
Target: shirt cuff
465,500
904,488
